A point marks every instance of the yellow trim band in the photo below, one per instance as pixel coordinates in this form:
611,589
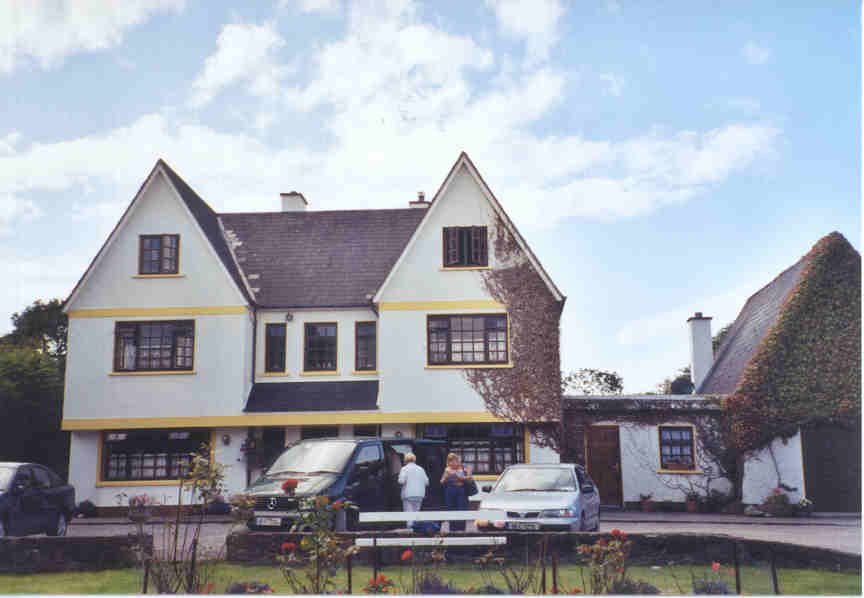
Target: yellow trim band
485,478
680,471
274,374
364,373
279,419
156,373
321,373
144,312
487,366
422,305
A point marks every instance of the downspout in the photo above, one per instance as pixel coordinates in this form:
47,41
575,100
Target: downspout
252,380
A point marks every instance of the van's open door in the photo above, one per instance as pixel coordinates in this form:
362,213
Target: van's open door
432,457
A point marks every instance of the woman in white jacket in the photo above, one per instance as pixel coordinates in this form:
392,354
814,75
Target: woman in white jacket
414,481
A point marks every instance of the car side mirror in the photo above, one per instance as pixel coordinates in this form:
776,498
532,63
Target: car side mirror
486,488
587,489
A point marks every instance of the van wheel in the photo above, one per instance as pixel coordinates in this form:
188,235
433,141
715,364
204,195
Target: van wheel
61,526
583,523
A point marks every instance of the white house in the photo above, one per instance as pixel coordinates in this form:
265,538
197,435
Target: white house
252,330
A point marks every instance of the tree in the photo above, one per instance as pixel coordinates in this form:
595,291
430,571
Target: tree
42,323
31,405
681,383
588,381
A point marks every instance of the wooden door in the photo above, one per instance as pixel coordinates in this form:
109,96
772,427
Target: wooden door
832,468
604,462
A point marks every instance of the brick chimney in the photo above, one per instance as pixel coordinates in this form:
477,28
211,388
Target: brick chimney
293,202
701,350
421,201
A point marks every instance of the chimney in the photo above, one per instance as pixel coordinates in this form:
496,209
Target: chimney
293,202
421,201
701,351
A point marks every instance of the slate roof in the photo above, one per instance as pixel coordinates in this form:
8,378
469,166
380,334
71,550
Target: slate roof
312,396
756,319
209,223
319,258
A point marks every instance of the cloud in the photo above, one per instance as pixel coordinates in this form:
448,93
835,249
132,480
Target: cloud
244,53
614,83
14,211
534,22
755,54
47,31
322,6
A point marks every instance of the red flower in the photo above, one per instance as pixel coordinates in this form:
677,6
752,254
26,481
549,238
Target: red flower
601,542
338,504
322,500
621,570
731,572
288,547
575,591
616,532
715,565
623,537
288,486
407,555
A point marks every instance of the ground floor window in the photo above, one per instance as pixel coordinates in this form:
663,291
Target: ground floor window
367,430
485,448
676,447
309,432
149,454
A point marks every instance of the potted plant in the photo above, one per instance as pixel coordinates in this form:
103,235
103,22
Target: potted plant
647,503
691,499
777,504
805,507
141,508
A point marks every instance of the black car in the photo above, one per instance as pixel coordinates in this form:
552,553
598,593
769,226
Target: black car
34,500
363,471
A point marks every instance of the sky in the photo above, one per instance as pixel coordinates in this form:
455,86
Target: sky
660,158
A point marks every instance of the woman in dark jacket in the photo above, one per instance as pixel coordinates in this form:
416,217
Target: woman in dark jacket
453,480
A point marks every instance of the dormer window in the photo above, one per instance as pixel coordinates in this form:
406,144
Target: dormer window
159,254
465,246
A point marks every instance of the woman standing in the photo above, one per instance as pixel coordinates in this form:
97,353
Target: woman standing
453,479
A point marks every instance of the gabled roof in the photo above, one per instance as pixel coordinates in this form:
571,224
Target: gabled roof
464,160
757,318
319,259
204,216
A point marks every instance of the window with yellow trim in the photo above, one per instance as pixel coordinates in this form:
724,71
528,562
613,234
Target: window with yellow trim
487,448
677,448
467,339
154,346
132,455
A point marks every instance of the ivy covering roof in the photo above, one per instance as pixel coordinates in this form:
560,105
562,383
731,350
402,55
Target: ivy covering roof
800,340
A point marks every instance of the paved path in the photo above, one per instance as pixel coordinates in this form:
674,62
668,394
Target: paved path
838,533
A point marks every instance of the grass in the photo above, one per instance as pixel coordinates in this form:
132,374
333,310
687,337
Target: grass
754,579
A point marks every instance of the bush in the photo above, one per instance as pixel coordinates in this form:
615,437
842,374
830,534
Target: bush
486,589
249,587
632,586
433,584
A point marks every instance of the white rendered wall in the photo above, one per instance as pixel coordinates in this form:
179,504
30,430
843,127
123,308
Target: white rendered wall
538,454
760,472
218,386
640,464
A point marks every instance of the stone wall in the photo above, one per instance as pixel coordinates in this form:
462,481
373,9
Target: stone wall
44,554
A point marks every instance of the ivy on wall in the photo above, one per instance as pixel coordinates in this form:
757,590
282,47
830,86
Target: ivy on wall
807,369
530,391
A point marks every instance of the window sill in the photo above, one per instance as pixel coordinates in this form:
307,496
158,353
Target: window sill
274,374
463,268
322,373
140,483
364,373
158,276
156,373
487,366
680,471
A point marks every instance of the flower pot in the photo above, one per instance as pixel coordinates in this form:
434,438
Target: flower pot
647,506
140,515
692,506
778,510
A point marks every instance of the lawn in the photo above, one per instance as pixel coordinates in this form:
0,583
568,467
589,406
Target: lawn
755,580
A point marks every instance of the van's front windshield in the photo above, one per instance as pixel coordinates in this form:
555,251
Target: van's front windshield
312,457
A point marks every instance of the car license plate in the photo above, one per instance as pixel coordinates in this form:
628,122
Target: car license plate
268,521
524,525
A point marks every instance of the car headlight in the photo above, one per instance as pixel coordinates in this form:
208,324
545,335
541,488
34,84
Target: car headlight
557,513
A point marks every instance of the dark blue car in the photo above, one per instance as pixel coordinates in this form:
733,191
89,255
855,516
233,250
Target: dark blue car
34,500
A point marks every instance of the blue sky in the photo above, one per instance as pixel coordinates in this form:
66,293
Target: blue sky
660,158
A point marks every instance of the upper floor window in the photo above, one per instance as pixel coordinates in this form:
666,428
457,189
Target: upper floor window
320,347
365,340
467,339
465,246
676,448
159,254
274,348
141,346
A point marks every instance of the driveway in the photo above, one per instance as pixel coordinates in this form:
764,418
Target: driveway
838,533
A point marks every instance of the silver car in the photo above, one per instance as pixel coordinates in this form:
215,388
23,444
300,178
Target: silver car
559,497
